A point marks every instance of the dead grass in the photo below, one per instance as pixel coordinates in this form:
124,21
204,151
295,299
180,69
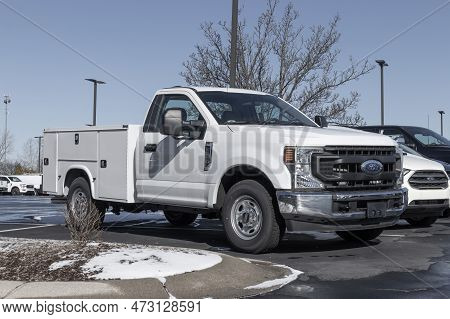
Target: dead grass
24,260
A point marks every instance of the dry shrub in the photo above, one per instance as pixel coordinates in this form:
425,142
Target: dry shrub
84,225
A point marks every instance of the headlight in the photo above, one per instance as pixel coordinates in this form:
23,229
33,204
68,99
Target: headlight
406,171
298,160
399,166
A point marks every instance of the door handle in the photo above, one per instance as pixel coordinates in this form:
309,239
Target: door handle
148,148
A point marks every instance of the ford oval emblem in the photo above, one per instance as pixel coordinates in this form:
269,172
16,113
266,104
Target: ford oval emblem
372,167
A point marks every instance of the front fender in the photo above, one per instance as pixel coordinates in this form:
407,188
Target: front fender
279,176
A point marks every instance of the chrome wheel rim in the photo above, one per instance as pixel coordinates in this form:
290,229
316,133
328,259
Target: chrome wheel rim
246,217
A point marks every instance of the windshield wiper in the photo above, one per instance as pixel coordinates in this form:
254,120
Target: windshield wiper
295,122
270,121
235,122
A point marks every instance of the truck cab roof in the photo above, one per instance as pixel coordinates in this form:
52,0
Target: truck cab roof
212,89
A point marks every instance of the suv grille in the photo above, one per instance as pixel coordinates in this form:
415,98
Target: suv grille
428,180
339,167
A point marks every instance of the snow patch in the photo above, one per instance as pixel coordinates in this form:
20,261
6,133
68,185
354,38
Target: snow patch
61,264
136,262
280,282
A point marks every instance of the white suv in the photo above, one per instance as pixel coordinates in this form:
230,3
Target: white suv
428,191
14,185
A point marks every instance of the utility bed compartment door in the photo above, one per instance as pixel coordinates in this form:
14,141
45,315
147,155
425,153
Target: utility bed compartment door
50,167
112,161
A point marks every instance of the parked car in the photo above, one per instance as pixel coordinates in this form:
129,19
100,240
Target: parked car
246,157
14,185
3,185
428,189
33,182
426,142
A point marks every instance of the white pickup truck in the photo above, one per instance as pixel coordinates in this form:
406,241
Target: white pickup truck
246,157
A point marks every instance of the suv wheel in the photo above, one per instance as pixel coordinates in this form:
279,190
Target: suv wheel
358,235
422,222
180,219
249,218
15,191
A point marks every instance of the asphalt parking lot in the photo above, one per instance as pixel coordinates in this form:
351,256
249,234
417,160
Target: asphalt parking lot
405,262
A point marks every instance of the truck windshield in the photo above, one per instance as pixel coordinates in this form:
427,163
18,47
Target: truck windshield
15,179
427,137
245,108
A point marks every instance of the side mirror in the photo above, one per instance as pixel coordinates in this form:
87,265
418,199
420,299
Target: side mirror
413,146
321,120
172,122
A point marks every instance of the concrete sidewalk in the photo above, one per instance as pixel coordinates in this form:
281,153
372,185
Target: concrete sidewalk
229,279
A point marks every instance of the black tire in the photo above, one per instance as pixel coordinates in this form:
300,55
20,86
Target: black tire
358,235
94,213
268,233
422,222
15,191
180,219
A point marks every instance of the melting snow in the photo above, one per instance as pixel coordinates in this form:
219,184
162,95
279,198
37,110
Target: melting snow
280,282
148,262
61,264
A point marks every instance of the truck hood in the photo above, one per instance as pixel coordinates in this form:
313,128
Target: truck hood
418,163
315,136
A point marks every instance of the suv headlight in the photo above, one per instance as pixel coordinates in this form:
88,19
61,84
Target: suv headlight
298,160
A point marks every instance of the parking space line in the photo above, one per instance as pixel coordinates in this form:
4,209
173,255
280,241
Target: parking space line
391,235
26,228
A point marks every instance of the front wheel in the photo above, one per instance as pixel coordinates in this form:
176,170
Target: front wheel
421,222
249,218
15,191
180,219
360,235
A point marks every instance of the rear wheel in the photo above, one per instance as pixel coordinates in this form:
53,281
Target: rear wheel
249,218
358,235
423,222
15,191
83,213
180,219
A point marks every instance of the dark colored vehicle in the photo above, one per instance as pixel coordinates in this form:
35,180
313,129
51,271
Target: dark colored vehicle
426,142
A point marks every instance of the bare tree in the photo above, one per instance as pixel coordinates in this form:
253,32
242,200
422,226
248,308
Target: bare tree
6,147
29,155
281,57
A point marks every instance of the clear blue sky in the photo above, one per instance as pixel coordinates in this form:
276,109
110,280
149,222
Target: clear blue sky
145,42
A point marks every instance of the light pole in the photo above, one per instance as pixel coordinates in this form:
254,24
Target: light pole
382,64
94,116
233,54
6,100
442,122
39,153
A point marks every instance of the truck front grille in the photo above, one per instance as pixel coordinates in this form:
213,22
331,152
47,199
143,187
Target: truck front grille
339,168
428,180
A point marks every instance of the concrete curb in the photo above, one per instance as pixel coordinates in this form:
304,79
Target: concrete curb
229,279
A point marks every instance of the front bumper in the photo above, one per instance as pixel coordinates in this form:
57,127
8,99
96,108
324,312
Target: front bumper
426,208
356,210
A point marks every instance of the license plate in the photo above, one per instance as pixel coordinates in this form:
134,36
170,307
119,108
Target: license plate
376,209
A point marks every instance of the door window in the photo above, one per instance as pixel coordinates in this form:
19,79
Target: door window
193,121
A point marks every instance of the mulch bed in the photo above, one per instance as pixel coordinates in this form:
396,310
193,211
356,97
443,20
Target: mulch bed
29,260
